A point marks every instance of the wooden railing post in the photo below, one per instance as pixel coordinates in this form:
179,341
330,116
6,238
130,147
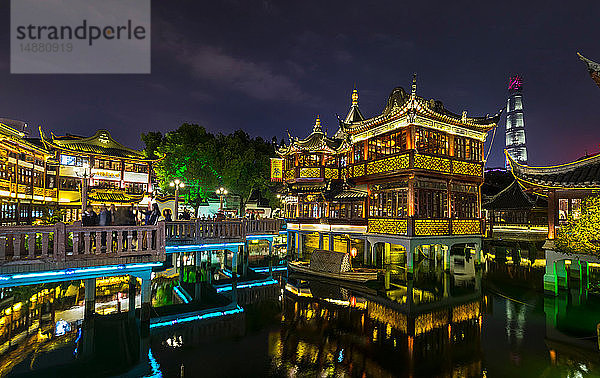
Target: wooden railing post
2,248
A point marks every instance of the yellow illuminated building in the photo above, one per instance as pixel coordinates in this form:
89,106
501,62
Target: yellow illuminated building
26,183
113,173
407,179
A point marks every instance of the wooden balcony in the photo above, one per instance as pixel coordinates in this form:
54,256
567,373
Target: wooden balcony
407,161
413,161
202,231
311,174
61,246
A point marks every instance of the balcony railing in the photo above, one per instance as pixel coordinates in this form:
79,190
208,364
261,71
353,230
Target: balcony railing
425,227
406,161
32,248
203,231
412,160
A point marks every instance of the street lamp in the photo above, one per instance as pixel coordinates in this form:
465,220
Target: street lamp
221,192
82,172
177,184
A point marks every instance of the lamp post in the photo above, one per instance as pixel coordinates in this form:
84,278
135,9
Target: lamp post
84,185
177,184
221,192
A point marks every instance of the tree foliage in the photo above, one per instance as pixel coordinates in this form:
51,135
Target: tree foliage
206,161
581,234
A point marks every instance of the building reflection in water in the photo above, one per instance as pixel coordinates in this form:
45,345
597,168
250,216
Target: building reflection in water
411,329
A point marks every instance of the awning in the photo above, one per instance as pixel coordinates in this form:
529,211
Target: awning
114,196
351,195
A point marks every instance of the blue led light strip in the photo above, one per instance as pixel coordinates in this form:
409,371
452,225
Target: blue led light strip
183,248
245,285
263,269
181,295
66,272
256,237
208,315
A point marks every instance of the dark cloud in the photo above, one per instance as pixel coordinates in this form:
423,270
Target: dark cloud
268,66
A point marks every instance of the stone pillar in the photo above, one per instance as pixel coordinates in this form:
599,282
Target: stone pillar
132,284
446,249
478,257
555,277
146,305
410,258
320,240
386,261
299,245
366,252
198,283
270,258
374,254
234,264
288,241
90,299
245,258
181,267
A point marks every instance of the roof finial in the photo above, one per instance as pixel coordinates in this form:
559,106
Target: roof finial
355,97
317,127
414,85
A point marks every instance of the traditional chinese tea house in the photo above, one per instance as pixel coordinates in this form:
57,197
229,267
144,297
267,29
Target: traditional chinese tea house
113,173
386,188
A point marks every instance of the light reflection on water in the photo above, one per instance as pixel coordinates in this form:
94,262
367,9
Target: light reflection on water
435,324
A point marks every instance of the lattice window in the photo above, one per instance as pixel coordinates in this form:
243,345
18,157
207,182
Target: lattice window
466,227
359,170
428,227
388,164
466,168
288,174
310,172
331,173
388,226
432,163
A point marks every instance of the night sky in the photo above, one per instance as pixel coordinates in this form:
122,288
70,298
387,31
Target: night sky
267,67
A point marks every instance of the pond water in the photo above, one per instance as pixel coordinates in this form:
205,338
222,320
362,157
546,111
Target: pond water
433,325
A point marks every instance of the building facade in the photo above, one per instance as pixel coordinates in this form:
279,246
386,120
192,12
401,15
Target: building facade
388,188
515,123
100,168
26,185
566,186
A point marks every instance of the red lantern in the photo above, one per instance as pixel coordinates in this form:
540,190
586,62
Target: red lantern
353,252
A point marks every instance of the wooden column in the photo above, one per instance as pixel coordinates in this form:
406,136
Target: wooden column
552,218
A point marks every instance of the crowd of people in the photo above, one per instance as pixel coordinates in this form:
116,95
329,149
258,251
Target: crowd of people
131,216
123,216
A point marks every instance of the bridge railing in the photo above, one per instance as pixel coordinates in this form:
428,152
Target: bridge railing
63,243
262,226
198,230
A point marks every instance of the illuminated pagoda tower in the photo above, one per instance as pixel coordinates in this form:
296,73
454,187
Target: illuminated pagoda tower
515,126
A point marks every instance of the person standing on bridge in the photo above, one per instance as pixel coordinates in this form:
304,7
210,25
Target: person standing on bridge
89,217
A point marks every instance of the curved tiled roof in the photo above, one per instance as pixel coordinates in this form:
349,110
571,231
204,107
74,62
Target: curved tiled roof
100,143
114,196
511,197
582,174
317,141
400,103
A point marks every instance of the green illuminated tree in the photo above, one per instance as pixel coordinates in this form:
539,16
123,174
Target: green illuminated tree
581,235
205,161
